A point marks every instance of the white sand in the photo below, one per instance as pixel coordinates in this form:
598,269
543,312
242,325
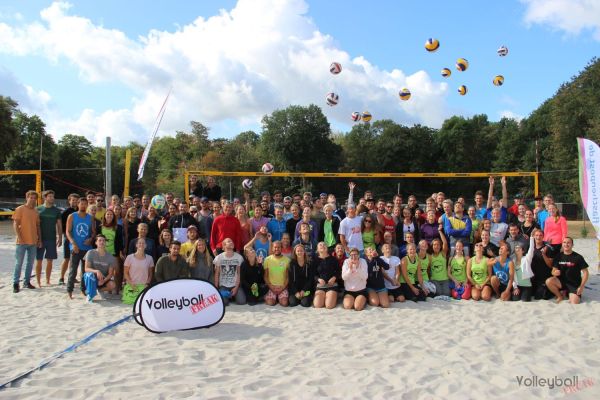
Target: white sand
433,350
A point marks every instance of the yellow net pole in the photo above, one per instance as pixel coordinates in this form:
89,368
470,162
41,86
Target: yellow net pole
127,172
186,186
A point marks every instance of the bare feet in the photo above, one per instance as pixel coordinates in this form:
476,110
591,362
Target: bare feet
70,294
559,299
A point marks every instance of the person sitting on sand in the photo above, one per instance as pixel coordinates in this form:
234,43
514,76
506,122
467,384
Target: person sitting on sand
391,284
172,265
228,266
457,272
376,290
139,268
326,273
101,265
410,277
478,275
276,277
355,274
503,273
301,279
566,280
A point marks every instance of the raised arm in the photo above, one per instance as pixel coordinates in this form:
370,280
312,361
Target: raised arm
504,192
490,191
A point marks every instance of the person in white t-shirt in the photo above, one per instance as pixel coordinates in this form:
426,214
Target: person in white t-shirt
391,284
227,273
350,231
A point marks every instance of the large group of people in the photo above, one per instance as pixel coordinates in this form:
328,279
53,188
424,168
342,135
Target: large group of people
305,250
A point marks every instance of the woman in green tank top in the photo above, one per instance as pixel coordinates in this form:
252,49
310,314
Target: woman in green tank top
457,272
439,265
368,232
478,273
410,276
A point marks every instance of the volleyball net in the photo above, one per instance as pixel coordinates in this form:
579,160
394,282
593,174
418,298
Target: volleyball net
421,184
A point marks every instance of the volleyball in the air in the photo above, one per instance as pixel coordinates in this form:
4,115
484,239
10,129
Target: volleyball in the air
404,94
462,64
268,168
446,72
432,44
503,51
247,183
332,99
498,80
158,202
366,116
462,90
335,68
355,116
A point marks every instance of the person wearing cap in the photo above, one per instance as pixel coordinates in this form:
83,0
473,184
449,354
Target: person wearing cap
188,246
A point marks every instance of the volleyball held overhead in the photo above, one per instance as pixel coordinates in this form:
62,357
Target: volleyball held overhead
462,90
158,202
366,116
247,184
332,99
404,94
446,72
268,168
335,68
355,116
462,64
498,80
503,51
432,45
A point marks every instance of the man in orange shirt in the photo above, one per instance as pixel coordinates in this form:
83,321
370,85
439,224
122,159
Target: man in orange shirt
26,223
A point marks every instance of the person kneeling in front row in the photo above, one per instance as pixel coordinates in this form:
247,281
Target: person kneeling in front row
100,269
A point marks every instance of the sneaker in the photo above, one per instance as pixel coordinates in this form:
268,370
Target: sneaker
30,286
89,299
61,281
16,288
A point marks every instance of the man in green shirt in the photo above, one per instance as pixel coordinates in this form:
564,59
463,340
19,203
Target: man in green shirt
171,266
276,277
51,228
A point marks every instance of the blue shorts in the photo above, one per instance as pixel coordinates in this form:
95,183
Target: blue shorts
377,290
47,251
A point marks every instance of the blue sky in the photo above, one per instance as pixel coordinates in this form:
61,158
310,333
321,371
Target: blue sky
103,68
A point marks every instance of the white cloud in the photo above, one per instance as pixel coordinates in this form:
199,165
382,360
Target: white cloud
510,114
571,16
30,101
241,64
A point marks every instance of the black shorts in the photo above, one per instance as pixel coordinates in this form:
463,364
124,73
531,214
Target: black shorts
409,295
327,288
395,292
502,287
356,294
570,289
540,291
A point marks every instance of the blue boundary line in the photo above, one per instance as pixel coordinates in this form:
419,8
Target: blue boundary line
72,347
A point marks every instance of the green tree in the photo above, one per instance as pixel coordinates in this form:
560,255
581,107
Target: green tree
8,132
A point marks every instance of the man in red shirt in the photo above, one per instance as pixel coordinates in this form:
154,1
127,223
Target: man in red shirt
226,226
514,209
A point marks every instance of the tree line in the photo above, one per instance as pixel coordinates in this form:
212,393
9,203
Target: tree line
300,139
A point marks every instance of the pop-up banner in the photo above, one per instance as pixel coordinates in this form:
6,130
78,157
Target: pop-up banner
179,304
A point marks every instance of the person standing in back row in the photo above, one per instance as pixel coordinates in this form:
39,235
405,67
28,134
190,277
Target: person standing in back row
81,230
26,224
51,230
